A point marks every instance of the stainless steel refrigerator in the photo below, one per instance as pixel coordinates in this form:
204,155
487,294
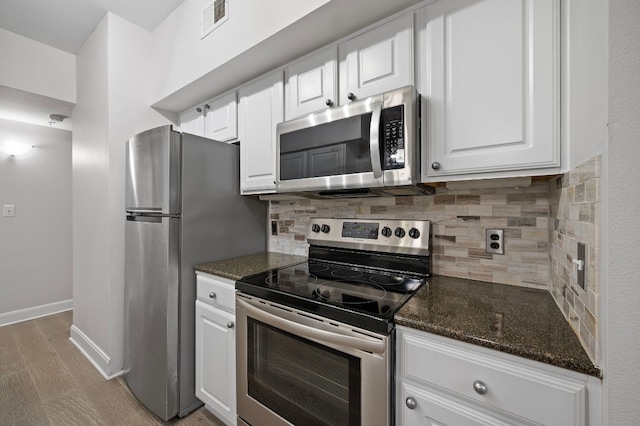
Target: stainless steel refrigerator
183,207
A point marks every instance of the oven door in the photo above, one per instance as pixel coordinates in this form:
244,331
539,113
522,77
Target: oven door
295,368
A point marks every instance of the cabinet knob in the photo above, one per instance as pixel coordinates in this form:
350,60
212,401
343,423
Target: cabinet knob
329,102
212,295
230,324
351,96
411,403
480,387
199,109
435,165
206,106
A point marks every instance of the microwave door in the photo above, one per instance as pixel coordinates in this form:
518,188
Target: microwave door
332,150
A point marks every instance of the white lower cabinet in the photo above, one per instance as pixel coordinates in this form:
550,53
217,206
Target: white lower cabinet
216,346
440,381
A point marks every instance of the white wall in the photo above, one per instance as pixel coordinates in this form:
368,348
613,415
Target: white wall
35,245
91,233
111,107
37,68
584,80
622,346
182,56
258,37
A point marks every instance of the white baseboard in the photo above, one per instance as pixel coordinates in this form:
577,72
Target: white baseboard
93,353
35,312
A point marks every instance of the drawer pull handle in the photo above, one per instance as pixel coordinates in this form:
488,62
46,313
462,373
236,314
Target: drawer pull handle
230,324
411,403
480,387
212,295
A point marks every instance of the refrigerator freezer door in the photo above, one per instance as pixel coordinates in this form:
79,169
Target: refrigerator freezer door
151,300
153,175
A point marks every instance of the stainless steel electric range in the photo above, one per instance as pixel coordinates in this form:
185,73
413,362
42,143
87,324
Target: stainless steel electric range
315,340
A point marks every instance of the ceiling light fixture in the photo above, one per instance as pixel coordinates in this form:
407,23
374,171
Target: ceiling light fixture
56,118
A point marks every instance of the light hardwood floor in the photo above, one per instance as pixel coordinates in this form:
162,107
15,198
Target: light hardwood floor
45,380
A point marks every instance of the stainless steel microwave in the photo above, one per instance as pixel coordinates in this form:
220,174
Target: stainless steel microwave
367,147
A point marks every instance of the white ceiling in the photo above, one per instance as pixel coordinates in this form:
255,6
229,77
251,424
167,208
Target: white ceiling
65,25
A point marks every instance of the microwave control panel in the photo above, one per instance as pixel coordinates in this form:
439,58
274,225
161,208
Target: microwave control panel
393,134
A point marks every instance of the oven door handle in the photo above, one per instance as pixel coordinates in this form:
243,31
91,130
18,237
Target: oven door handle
373,346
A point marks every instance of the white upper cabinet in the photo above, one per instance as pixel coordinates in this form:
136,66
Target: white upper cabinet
311,84
220,120
215,119
489,77
192,121
377,61
260,109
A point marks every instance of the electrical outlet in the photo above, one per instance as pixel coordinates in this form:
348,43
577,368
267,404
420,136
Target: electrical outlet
8,210
495,241
582,251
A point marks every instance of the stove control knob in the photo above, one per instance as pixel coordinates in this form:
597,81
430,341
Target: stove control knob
399,232
414,233
386,231
325,229
315,227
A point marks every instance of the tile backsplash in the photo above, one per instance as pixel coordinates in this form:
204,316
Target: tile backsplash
459,220
575,218
543,224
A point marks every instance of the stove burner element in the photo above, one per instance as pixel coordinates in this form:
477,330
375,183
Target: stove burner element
316,267
290,279
386,279
350,294
346,273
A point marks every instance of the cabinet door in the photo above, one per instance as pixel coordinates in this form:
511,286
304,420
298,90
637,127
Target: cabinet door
489,76
431,408
311,84
220,120
192,121
260,110
378,60
215,361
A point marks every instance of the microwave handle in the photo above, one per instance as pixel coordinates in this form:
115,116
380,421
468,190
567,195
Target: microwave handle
373,346
374,144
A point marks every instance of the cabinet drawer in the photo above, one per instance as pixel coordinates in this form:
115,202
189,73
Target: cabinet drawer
529,393
216,291
434,408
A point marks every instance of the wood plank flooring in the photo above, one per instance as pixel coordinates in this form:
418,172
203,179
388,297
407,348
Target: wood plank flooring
45,380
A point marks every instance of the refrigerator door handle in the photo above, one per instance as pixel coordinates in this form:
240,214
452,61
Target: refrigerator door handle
133,215
138,216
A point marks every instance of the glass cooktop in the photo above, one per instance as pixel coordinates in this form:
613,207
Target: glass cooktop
360,296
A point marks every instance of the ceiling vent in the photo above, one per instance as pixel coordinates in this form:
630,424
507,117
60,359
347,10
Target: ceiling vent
213,16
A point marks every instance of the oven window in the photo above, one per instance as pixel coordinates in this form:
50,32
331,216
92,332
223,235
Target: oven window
336,148
300,380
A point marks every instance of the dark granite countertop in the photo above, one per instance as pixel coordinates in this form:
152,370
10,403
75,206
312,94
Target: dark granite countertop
243,266
521,321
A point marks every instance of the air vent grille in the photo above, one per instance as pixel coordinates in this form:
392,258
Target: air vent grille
219,10
213,16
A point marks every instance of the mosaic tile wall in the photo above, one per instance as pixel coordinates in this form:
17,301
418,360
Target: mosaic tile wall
459,220
575,217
